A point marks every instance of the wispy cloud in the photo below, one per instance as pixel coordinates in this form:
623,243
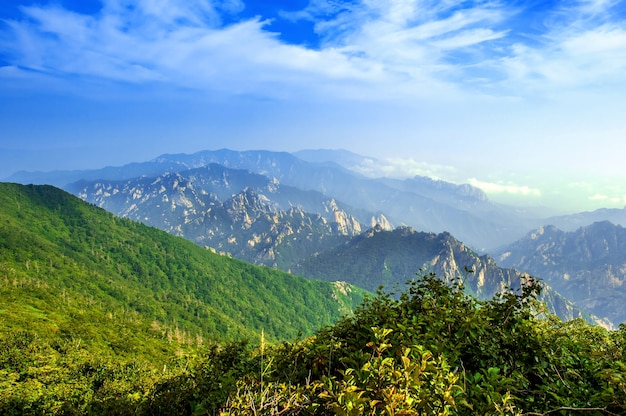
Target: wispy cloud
609,200
403,168
180,43
582,45
389,47
511,189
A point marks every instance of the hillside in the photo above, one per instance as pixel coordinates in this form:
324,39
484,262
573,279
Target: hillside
391,258
68,266
587,265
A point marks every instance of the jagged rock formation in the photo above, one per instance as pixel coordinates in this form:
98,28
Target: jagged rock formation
587,266
250,216
380,221
343,223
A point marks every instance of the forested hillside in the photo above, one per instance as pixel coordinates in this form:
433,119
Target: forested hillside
61,259
94,306
391,258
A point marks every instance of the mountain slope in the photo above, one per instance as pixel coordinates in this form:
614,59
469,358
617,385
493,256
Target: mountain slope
390,258
59,247
587,265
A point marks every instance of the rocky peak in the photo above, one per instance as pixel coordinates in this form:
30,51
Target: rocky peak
247,205
342,222
587,265
545,231
381,221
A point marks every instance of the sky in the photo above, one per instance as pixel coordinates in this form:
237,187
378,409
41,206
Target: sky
523,99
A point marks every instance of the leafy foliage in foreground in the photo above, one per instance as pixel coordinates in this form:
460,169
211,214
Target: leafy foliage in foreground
432,351
438,351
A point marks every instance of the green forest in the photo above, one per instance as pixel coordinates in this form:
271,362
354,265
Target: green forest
101,315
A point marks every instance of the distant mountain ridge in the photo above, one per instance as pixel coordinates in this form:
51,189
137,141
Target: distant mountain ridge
422,203
587,266
574,221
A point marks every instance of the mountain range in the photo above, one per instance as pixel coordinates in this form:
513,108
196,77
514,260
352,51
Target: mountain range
312,213
250,216
420,202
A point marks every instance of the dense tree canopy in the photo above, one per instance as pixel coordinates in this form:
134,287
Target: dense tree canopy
433,350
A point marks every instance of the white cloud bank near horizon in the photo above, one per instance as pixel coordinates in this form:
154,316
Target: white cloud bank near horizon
520,96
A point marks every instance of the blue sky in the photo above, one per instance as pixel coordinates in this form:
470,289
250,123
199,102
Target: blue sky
525,99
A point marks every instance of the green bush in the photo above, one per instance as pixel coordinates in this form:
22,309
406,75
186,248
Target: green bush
437,351
431,351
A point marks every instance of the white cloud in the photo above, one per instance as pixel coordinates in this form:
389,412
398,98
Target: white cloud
180,43
511,189
370,48
403,168
593,57
596,7
598,197
409,37
583,46
608,200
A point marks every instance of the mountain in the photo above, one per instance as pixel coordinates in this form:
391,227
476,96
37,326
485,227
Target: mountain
339,157
259,220
391,258
572,222
587,265
74,271
422,203
438,190
250,216
267,163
